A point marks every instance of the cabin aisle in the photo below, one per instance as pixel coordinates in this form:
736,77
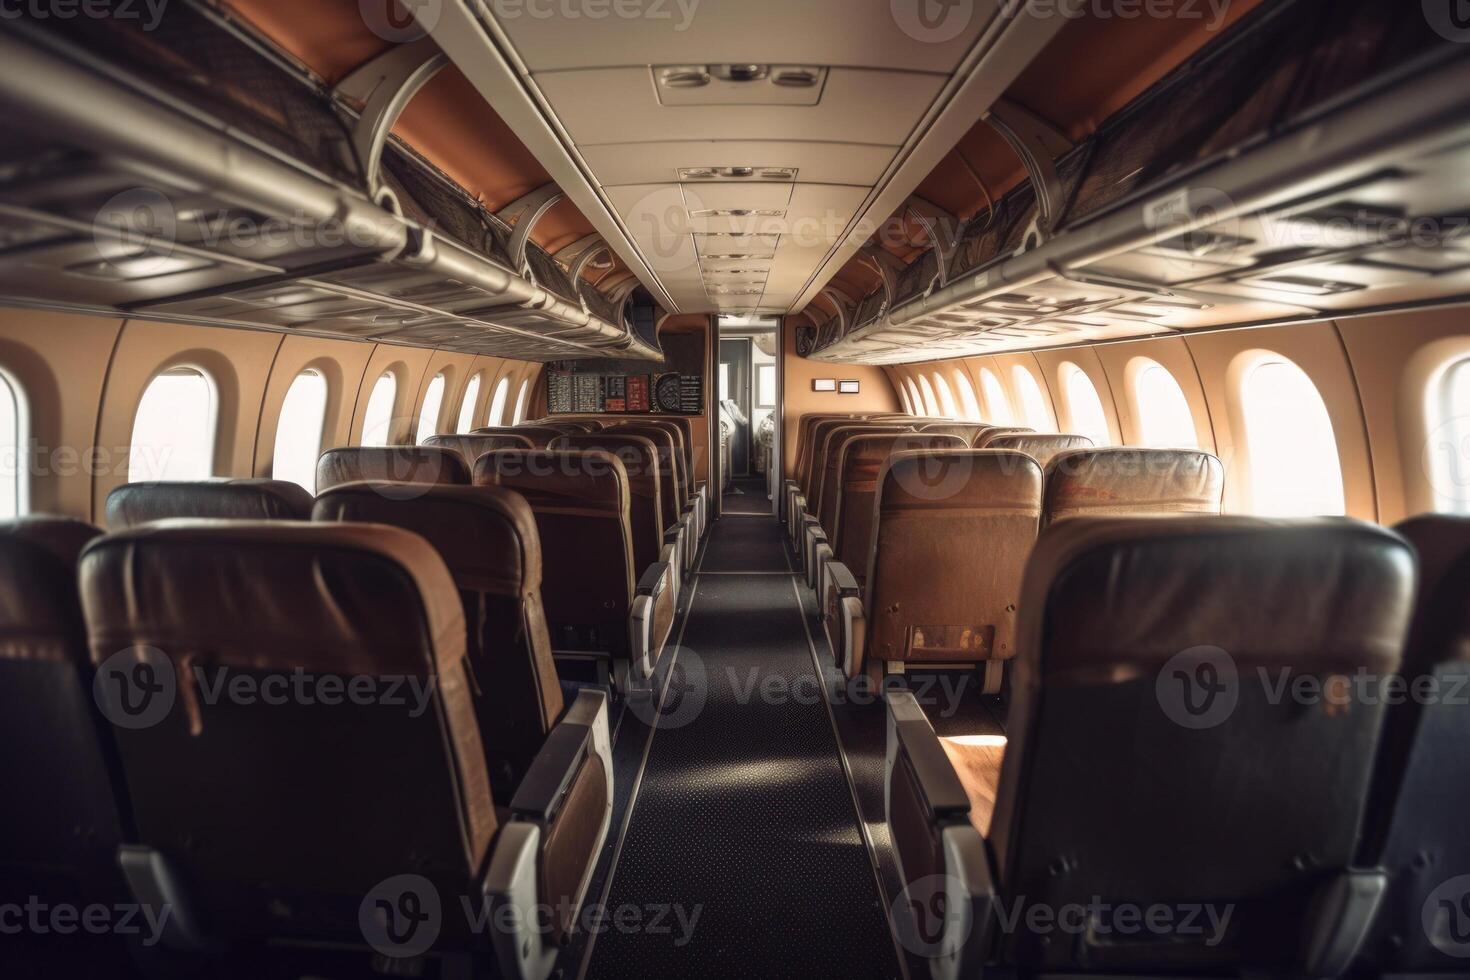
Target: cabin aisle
743,833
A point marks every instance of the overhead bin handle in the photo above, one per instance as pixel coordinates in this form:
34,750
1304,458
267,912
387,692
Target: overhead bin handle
523,214
384,87
1038,145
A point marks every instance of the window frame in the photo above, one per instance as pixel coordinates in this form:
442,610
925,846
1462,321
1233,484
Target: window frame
1007,415
499,400
211,425
947,404
931,404
1047,423
321,436
468,401
21,476
1070,372
392,375
970,401
1243,371
1138,368
523,402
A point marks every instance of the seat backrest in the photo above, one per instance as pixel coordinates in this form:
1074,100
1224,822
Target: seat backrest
816,443
583,515
1218,788
539,435
639,457
804,443
66,814
1421,786
1040,446
683,455
671,488
390,464
1129,481
822,503
985,439
861,458
953,529
487,538
237,499
264,680
471,447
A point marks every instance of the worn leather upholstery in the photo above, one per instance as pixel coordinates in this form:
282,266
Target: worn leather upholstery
1138,690
953,530
65,815
969,432
472,447
822,501
1040,446
390,464
986,438
1127,481
640,459
669,465
282,813
583,515
487,537
862,458
1421,787
235,499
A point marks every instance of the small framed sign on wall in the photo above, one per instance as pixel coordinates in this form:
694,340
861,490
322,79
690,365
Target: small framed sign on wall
850,387
824,384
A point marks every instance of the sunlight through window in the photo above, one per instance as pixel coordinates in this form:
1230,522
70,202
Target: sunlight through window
467,405
997,402
173,432
12,443
1294,467
1164,418
377,420
1033,402
1085,415
299,430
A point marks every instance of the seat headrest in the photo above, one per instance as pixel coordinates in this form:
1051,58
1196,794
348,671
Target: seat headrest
1113,597
486,535
994,432
390,464
967,431
472,447
358,599
1040,446
960,479
236,499
1131,481
864,454
539,435
639,454
38,589
585,482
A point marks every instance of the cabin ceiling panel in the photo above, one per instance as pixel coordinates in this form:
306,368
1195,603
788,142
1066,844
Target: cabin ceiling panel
860,164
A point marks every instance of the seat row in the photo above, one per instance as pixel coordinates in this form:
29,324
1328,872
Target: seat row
419,569
1235,746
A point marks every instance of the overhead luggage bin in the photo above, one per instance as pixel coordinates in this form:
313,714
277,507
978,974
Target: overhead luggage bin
256,199
1330,192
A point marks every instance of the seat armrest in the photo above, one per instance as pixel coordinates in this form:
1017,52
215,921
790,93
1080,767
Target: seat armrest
650,621
654,580
816,540
544,787
843,616
954,933
572,770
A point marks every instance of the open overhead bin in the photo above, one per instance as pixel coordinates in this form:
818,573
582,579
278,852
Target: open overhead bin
204,180
1309,163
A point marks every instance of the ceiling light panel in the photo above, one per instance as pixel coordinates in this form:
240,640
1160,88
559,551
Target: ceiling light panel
739,84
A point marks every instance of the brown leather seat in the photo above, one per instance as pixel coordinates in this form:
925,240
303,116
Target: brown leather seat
1040,446
970,432
1421,787
235,499
695,490
1138,697
487,538
390,464
821,501
271,727
679,510
64,816
594,605
1127,481
951,535
813,461
539,435
471,447
653,539
861,458
796,484
994,432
